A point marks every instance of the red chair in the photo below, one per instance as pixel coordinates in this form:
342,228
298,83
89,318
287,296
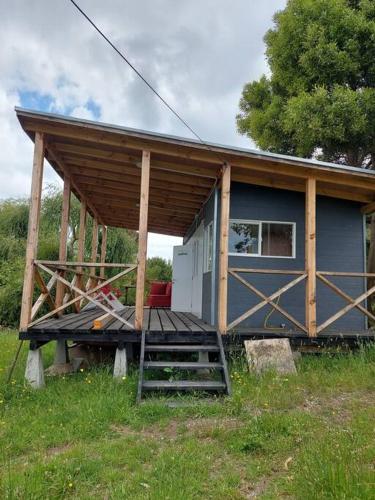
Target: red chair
160,294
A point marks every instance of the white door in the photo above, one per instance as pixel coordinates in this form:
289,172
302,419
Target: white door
182,278
197,285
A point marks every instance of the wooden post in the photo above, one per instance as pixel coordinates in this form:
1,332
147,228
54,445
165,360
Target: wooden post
32,231
103,250
142,240
63,236
223,256
310,256
94,251
81,245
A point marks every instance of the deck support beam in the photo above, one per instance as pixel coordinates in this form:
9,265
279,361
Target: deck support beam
223,256
310,256
33,230
142,240
60,289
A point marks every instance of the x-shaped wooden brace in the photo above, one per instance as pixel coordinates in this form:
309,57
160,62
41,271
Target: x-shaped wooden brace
46,292
86,295
353,303
267,300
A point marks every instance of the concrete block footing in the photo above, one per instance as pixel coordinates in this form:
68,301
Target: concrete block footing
120,368
34,373
61,353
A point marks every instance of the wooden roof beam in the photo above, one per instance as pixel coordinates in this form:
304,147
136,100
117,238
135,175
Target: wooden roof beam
369,208
132,176
133,159
74,185
113,188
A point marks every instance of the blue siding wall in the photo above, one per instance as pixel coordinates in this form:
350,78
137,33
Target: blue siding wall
340,247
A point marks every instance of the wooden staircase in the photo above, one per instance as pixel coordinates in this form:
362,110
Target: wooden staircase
150,362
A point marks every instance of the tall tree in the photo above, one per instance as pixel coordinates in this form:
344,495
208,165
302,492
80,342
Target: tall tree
319,99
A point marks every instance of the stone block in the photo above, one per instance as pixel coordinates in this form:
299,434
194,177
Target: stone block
270,354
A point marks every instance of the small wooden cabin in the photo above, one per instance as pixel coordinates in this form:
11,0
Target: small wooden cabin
273,245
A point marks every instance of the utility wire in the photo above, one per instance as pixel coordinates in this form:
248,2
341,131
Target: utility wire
139,74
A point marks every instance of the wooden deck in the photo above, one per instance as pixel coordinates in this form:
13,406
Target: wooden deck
156,320
161,324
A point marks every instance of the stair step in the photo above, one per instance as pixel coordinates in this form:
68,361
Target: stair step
183,385
183,365
181,348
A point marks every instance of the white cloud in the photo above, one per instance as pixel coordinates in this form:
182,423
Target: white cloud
197,54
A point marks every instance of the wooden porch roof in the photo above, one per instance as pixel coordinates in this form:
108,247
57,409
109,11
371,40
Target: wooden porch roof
103,162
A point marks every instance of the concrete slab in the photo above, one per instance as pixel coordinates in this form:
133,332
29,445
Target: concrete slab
272,354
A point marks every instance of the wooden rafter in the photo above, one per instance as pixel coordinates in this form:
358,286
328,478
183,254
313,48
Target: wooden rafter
53,156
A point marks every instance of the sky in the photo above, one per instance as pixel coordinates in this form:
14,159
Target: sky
197,54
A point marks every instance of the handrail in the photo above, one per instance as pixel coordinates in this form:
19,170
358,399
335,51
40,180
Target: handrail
81,264
265,271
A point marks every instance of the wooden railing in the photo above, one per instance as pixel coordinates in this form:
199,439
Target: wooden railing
353,303
75,289
267,300
301,276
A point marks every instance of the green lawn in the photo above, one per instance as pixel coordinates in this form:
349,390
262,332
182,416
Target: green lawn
309,435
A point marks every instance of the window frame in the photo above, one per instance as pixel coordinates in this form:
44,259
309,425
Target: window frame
259,224
208,230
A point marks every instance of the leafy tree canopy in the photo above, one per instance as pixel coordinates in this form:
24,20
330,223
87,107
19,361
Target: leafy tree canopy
319,99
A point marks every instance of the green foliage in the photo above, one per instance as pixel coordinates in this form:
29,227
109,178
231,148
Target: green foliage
158,269
320,97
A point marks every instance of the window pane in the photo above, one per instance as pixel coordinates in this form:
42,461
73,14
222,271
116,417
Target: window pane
243,238
277,239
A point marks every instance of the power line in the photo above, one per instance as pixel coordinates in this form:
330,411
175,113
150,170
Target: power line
139,74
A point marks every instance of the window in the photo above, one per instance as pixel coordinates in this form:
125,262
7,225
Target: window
262,238
208,247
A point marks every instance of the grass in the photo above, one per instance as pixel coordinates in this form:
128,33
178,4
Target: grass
309,435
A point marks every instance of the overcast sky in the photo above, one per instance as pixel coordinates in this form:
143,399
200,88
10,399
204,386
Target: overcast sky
197,53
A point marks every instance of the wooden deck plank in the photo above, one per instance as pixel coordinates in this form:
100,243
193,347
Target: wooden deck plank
116,324
130,318
193,327
155,323
205,326
65,320
178,323
167,324
80,322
